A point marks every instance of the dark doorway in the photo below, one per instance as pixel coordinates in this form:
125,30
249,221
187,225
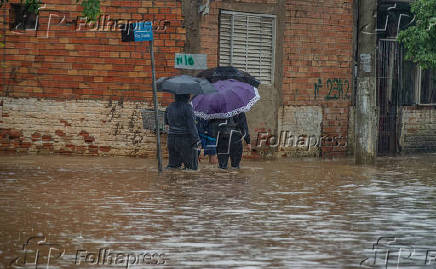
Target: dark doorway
395,76
388,78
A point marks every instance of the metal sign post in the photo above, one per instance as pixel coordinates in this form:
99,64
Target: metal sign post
153,72
143,31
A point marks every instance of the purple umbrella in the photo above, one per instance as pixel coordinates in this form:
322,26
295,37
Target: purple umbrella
232,98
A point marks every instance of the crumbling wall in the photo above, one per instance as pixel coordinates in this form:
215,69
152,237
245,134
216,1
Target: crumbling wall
90,127
418,130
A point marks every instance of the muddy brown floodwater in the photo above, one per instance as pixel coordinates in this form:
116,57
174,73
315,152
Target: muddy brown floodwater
84,212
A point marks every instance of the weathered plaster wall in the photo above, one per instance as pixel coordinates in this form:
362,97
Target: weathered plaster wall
90,127
300,130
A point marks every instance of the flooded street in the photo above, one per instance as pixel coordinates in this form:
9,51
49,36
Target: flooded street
86,212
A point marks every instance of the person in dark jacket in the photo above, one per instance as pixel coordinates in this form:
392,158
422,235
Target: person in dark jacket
229,134
182,133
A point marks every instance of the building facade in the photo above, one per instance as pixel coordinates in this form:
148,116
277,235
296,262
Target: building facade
69,86
74,87
406,94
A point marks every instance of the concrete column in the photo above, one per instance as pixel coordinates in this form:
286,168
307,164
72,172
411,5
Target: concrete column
366,116
191,22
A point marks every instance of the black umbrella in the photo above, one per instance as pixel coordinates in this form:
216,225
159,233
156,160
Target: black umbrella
228,72
185,84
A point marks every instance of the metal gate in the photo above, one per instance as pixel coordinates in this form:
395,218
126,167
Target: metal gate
389,62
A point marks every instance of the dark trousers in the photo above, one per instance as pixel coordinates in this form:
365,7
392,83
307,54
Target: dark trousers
229,146
181,150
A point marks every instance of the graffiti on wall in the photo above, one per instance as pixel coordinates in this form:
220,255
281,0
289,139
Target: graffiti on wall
337,89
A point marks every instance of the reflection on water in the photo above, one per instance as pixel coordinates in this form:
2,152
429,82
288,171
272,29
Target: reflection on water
274,214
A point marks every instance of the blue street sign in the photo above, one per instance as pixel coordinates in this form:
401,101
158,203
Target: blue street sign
143,31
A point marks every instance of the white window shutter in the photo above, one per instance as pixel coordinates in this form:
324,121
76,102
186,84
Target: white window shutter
247,43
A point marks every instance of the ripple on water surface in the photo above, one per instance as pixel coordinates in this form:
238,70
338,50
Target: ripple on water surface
272,214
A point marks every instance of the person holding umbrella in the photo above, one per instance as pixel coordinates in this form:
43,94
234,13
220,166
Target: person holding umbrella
182,133
230,133
236,94
183,138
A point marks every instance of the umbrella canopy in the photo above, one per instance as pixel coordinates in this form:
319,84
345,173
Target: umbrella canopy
228,72
184,84
232,98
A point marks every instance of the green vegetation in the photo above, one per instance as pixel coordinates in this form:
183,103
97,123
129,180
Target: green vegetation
420,39
91,8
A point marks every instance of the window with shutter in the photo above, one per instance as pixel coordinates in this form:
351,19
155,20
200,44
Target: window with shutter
247,43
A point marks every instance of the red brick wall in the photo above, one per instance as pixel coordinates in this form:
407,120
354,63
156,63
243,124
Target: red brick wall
81,92
316,53
209,28
318,50
317,59
59,62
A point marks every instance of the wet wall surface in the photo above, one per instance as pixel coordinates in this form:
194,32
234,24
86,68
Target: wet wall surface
83,212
